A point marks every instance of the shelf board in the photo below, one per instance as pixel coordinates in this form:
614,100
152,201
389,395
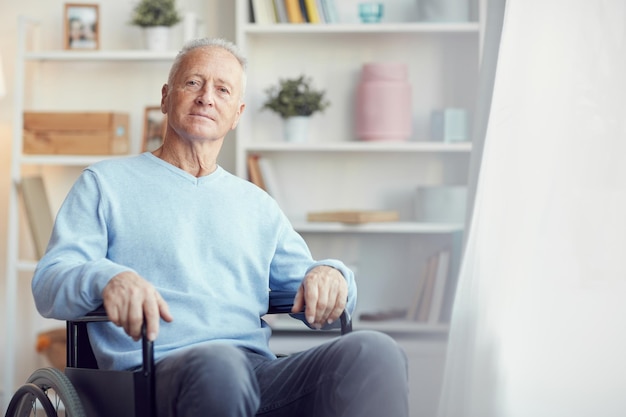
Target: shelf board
69,160
332,28
100,55
360,146
382,227
26,266
288,324
400,326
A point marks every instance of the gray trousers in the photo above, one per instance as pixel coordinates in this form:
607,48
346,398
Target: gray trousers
361,374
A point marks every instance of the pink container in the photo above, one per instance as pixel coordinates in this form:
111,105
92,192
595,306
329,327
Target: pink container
383,102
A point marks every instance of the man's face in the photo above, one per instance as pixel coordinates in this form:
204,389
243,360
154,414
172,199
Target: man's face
203,101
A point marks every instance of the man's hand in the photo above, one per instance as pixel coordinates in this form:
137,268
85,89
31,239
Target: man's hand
128,299
323,293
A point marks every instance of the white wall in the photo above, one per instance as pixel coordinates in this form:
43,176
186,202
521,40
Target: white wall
218,18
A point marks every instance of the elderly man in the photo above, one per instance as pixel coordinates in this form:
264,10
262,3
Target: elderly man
171,237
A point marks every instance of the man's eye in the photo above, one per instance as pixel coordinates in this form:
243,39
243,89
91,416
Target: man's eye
193,84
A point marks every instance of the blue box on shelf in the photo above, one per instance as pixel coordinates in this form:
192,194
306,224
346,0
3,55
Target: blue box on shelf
449,125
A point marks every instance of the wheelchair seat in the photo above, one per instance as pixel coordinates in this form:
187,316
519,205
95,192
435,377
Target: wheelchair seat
83,390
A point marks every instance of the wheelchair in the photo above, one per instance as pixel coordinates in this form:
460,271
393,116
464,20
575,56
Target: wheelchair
85,391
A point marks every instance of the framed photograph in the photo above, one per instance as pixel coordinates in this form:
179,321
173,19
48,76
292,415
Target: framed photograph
154,126
81,26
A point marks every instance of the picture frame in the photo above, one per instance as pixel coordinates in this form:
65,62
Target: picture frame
81,26
154,127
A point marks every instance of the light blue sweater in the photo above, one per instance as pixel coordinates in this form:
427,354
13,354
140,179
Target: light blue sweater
212,246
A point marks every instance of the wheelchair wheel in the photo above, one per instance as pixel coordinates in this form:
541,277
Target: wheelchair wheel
47,392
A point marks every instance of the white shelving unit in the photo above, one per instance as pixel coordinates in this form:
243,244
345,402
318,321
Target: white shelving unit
333,170
32,67
94,56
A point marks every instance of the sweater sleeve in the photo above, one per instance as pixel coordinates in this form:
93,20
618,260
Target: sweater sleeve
293,260
70,277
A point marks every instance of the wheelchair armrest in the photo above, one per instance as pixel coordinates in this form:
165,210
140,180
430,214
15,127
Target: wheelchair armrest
100,315
281,302
80,355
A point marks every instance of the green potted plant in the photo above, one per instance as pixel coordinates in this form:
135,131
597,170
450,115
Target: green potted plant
148,13
155,17
295,100
295,97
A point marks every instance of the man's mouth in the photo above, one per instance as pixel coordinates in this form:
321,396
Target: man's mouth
204,115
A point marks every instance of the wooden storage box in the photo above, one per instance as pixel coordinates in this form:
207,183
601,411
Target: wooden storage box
76,133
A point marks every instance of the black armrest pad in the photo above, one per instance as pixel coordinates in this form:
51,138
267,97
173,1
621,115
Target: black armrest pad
281,302
99,314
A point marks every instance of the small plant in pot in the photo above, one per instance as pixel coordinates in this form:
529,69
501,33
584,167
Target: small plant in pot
156,17
295,100
148,13
295,97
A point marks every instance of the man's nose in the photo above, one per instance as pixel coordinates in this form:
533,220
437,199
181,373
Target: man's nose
205,96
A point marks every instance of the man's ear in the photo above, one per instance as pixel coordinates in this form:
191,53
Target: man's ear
164,91
242,106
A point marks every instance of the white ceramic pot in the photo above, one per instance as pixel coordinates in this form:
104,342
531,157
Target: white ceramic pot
157,38
296,128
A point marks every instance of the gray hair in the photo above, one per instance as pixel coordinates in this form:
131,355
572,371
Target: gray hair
210,43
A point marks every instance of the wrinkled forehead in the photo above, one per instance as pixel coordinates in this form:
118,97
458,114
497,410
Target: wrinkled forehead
210,60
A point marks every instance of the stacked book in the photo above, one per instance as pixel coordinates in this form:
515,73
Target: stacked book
294,11
428,300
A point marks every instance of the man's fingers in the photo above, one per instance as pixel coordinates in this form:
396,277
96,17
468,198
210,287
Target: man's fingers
151,315
134,321
340,306
113,314
323,308
311,294
153,311
130,301
298,301
165,311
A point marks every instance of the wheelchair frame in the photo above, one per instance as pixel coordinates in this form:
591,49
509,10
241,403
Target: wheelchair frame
86,391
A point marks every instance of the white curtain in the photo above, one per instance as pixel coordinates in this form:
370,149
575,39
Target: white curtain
539,322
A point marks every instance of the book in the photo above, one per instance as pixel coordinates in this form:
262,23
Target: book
441,278
281,11
251,8
311,11
330,11
424,307
272,11
411,313
454,269
320,10
303,10
38,212
325,11
269,179
254,172
353,216
263,11
256,8
294,13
